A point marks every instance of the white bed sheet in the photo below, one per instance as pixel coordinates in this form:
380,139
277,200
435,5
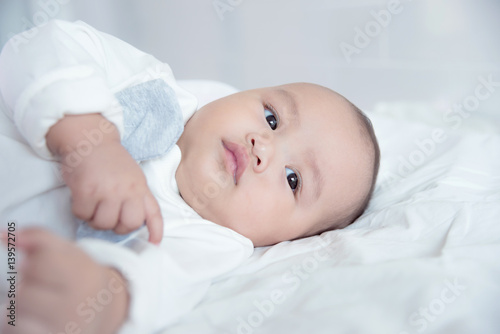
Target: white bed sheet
424,258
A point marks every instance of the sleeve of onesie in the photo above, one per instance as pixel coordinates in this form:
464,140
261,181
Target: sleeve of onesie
71,68
166,282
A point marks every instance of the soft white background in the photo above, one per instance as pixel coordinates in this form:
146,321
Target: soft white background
438,223
431,52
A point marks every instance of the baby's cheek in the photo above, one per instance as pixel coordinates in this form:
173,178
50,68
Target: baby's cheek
242,209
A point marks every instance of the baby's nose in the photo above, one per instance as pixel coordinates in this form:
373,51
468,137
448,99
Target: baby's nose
262,151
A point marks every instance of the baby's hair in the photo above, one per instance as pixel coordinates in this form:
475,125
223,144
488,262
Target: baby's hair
369,136
368,133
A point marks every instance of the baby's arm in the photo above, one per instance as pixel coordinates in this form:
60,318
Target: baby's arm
155,286
62,289
108,187
66,70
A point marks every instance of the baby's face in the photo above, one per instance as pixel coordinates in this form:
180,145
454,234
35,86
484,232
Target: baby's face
272,163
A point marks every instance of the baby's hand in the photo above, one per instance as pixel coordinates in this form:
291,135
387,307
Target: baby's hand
108,188
110,192
63,290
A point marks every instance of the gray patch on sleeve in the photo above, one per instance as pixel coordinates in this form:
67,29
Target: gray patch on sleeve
152,119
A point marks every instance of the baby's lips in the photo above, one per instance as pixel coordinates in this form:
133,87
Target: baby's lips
241,158
230,161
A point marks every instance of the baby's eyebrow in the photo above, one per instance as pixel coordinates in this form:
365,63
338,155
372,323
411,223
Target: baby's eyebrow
293,113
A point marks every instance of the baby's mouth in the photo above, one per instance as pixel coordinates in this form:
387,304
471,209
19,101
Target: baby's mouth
235,159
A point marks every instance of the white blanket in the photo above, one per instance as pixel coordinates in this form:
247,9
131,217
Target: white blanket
424,258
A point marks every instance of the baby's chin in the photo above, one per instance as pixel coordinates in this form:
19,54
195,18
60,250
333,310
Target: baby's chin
227,220
258,238
264,241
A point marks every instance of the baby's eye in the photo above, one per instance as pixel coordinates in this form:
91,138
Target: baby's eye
292,178
271,118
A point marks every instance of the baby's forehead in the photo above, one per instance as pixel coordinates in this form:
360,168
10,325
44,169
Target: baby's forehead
315,99
308,89
323,113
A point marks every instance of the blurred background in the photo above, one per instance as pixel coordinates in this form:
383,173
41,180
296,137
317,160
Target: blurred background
378,53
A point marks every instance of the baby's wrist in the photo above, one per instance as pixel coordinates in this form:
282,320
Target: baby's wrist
81,134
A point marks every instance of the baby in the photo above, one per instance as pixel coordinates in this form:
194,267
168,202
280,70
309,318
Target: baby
251,169
302,160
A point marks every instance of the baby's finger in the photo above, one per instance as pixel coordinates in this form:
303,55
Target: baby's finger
34,239
154,220
106,215
132,216
83,206
4,237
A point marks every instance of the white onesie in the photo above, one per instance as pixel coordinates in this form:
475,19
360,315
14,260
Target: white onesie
71,68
